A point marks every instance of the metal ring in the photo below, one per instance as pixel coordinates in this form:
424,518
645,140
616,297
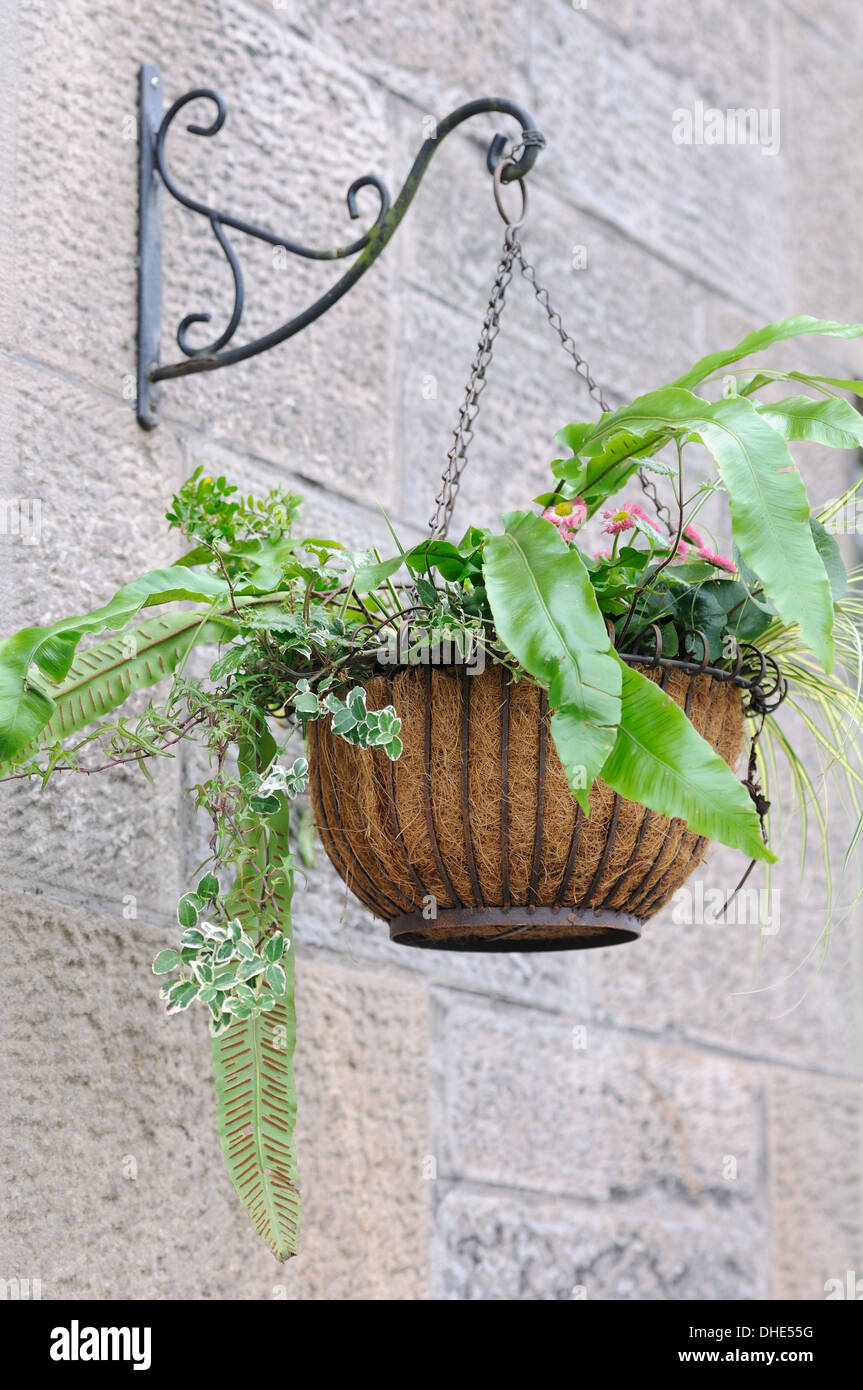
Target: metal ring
497,177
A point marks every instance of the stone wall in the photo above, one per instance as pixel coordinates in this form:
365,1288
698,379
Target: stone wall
648,1122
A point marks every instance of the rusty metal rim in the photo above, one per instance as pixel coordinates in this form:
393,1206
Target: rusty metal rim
521,929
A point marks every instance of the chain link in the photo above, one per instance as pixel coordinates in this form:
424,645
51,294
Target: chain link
463,432
556,324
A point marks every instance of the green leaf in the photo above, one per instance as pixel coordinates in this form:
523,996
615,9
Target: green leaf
451,561
700,608
828,548
767,498
273,949
745,619
253,1067
276,979
306,837
661,761
368,577
833,421
615,448
573,436
764,338
770,518
426,591
184,995
545,612
207,888
165,962
188,910
256,1109
98,680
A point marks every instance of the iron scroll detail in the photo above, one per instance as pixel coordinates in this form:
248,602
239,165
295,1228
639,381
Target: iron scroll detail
155,176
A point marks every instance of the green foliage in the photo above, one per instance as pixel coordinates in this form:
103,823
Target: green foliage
546,613
300,624
212,512
36,662
350,719
253,1053
221,967
767,499
660,760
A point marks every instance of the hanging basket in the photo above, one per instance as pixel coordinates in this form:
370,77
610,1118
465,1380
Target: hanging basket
472,840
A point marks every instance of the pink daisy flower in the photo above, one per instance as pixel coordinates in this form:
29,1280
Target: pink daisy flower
638,511
567,515
621,519
713,559
602,554
617,522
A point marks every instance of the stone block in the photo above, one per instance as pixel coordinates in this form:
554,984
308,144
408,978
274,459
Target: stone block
558,1106
815,1185
116,1184
501,1246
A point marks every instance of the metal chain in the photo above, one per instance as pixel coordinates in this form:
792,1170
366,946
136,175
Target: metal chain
556,324
463,432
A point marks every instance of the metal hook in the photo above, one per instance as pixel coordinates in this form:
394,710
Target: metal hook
498,177
155,175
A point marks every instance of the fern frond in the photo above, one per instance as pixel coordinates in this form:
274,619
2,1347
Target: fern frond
256,1102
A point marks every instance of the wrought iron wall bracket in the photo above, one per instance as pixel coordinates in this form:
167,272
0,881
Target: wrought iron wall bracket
155,175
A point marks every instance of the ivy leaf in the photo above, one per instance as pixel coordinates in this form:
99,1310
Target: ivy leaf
165,962
207,888
180,998
428,594
276,979
189,909
247,969
274,948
